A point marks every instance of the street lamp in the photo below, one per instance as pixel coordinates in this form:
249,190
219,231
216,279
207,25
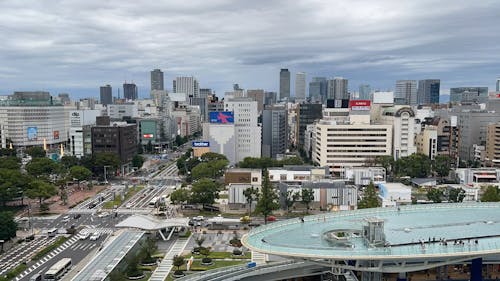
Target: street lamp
105,180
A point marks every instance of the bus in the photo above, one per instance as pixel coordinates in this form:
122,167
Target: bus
58,270
52,232
153,201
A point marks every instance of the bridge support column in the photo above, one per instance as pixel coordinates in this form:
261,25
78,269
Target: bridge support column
371,276
476,270
402,276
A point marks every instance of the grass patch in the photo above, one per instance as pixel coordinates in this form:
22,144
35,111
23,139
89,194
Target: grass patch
187,234
16,271
223,196
198,267
49,248
118,200
225,255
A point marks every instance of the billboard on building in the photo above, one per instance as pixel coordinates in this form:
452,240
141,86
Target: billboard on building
147,136
359,104
56,135
223,117
32,133
200,144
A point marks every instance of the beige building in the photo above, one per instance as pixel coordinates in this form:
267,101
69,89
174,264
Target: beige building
426,141
493,145
340,145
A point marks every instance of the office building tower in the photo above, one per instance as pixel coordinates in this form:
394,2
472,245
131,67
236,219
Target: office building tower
469,95
318,89
274,131
270,98
337,88
106,95
406,92
364,92
258,96
498,85
247,131
205,92
117,138
187,85
428,91
300,86
284,84
157,80
402,120
130,91
306,114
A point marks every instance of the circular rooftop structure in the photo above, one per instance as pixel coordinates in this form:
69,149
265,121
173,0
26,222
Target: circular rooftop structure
414,232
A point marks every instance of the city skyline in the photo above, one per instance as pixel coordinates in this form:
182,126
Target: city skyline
375,44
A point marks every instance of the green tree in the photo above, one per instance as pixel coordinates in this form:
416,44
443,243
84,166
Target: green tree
7,152
178,261
106,159
212,156
290,198
12,184
137,161
204,191
290,161
307,195
251,194
213,169
11,163
386,161
41,190
435,195
80,173
179,196
36,152
456,195
69,161
268,199
442,165
415,166
491,194
370,198
43,167
8,226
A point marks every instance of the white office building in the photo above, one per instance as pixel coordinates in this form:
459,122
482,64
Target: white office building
79,132
300,87
187,85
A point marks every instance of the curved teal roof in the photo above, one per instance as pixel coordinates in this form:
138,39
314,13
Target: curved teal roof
404,230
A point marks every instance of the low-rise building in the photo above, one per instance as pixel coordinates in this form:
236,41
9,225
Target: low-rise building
393,194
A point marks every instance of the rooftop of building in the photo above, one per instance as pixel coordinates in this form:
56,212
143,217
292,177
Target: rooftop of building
412,232
37,98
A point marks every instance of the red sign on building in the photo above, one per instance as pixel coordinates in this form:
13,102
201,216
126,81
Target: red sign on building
359,104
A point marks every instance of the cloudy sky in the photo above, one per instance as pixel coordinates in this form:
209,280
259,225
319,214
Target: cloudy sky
77,46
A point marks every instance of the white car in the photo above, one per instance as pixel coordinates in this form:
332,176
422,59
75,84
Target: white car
95,236
128,206
103,214
83,235
65,219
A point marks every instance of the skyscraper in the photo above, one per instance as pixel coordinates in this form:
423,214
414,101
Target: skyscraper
498,85
428,91
130,91
284,84
469,95
364,91
274,131
187,85
337,88
300,86
406,92
156,80
318,89
106,95
307,113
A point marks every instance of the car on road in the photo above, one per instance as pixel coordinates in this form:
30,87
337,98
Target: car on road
95,236
65,219
103,214
92,205
77,216
198,218
128,206
83,235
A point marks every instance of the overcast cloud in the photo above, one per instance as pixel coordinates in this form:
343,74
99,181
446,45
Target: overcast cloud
77,46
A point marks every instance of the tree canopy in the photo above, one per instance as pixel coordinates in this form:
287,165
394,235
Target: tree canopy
8,226
36,152
491,194
435,195
268,199
456,195
69,161
415,166
179,196
11,163
307,196
80,173
38,167
12,184
41,190
137,161
370,198
213,169
266,162
442,165
204,191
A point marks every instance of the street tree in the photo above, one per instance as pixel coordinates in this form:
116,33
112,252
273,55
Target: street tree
456,195
370,198
251,194
137,161
178,261
7,152
442,165
179,196
43,167
11,163
307,195
36,152
12,184
204,191
435,195
80,173
290,198
69,161
8,226
213,169
268,199
212,156
387,162
41,190
491,194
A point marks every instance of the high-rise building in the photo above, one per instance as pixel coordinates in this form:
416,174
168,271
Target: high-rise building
205,92
493,145
469,95
364,91
274,131
338,88
284,84
130,91
402,120
157,80
498,85
270,98
106,94
306,114
300,86
117,138
247,131
318,89
258,96
406,92
428,91
187,85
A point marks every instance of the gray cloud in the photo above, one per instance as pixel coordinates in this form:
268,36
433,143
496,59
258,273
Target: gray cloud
76,46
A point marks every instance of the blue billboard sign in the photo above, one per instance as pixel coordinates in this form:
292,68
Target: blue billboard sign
223,117
200,144
32,133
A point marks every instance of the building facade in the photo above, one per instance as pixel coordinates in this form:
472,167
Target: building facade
338,89
120,139
284,84
402,121
468,95
157,80
274,131
428,91
187,85
130,91
300,86
306,114
493,145
106,95
406,92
